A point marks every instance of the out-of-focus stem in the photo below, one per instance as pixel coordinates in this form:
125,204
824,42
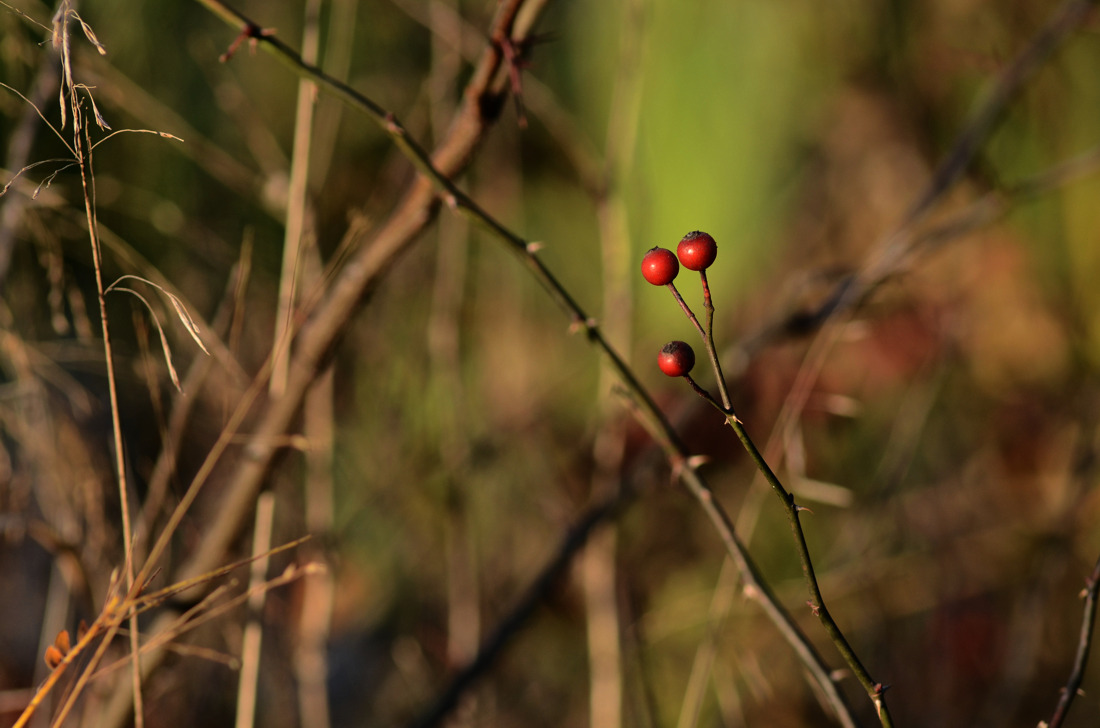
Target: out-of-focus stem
253,631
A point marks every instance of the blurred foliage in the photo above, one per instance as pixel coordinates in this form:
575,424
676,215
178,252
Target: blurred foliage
948,449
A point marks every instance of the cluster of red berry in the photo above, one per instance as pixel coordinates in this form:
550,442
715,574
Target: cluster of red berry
696,251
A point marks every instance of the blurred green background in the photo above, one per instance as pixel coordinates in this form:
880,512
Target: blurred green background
948,447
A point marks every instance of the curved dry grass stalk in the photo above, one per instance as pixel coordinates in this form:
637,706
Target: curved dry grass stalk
82,153
74,98
181,312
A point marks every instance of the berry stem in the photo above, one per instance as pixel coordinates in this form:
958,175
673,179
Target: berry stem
705,334
687,310
706,395
708,344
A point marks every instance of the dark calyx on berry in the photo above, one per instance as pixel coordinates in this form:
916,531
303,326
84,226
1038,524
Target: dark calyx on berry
676,358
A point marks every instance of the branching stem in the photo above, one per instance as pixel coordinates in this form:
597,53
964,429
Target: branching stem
817,601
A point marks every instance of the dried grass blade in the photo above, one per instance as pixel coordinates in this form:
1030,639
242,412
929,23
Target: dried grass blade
31,166
177,304
186,320
42,116
99,120
163,134
90,35
160,330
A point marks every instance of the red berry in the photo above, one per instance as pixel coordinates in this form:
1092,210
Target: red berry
697,251
676,359
659,266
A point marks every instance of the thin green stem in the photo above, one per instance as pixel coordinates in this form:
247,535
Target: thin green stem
756,587
687,310
817,601
706,334
708,344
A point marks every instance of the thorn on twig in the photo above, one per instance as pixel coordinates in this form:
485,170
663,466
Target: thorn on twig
513,54
586,325
533,247
250,32
799,509
590,326
695,461
814,608
880,689
678,465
